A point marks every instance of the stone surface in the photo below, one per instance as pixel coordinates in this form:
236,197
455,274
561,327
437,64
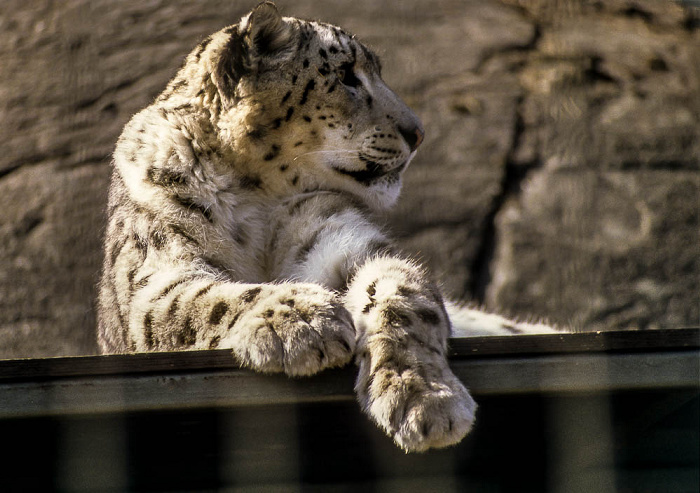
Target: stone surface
595,250
605,233
558,179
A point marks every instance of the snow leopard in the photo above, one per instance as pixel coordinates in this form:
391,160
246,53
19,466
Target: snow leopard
245,212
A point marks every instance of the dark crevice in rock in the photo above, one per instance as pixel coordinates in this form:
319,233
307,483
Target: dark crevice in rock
9,169
639,13
526,48
408,228
667,166
513,176
63,154
89,102
27,224
597,73
97,159
692,22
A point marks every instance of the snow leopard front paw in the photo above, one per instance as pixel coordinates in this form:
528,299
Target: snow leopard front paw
419,407
298,329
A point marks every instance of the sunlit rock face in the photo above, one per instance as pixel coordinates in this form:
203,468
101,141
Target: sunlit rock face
558,177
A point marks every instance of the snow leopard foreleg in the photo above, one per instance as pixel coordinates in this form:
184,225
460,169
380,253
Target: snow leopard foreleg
404,382
296,328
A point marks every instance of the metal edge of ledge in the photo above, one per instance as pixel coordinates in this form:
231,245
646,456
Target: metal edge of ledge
468,348
234,387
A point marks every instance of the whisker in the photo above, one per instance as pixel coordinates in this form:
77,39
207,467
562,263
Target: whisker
327,151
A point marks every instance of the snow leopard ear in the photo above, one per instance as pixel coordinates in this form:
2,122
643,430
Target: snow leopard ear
262,34
265,31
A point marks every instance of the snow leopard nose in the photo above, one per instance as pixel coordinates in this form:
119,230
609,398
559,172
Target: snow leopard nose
413,136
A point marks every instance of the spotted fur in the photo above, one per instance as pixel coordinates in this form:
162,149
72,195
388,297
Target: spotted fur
242,215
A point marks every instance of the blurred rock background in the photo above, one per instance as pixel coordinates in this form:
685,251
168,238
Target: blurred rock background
560,176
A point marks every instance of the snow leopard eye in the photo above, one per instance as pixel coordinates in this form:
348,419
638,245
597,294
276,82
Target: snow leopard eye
347,76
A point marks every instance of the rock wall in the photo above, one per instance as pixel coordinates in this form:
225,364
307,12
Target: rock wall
559,177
